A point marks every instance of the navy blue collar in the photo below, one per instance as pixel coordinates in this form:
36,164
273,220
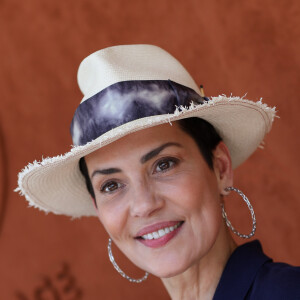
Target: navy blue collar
240,271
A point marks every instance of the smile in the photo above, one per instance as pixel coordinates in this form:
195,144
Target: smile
158,237
160,233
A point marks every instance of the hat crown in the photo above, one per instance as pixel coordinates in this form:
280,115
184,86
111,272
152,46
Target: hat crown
129,62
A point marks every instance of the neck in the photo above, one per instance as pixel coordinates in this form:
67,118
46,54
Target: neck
201,279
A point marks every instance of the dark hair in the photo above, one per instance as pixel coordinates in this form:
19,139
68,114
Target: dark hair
204,134
84,171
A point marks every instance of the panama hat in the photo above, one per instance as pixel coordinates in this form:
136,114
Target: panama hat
129,88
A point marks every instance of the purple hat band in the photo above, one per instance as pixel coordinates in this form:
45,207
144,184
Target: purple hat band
126,101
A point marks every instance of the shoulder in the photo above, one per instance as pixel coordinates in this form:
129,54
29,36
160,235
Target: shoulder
276,281
251,275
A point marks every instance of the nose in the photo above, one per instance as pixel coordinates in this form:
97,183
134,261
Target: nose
145,201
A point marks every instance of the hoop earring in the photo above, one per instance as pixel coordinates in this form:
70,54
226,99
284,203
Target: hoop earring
228,223
111,258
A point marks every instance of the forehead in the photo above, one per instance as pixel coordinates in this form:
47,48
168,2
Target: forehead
137,143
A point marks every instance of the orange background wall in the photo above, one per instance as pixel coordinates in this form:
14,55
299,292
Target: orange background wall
229,46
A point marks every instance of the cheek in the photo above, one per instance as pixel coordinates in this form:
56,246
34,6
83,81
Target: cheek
113,218
198,201
191,191
205,217
202,200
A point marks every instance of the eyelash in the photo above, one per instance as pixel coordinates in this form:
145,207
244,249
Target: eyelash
174,162
106,184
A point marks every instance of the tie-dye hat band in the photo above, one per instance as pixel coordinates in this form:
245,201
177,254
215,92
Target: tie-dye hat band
126,101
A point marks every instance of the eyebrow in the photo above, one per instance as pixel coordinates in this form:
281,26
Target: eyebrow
156,151
143,159
106,171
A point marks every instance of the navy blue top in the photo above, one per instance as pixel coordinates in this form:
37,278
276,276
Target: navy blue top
251,275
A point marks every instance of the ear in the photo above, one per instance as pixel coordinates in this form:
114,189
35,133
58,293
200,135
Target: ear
222,167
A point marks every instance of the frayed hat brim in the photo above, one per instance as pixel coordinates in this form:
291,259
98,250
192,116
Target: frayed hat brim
56,184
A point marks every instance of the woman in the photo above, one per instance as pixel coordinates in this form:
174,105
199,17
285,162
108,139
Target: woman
153,159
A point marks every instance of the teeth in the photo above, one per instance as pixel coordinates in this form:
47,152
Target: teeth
161,232
155,235
149,236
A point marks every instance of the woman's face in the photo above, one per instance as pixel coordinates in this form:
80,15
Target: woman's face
158,199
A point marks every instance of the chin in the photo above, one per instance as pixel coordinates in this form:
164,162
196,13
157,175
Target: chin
168,270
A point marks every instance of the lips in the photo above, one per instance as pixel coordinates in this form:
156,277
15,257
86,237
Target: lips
159,234
156,227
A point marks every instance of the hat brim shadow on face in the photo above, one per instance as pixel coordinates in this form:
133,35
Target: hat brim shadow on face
56,184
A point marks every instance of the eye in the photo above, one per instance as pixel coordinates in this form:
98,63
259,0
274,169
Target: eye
165,164
110,187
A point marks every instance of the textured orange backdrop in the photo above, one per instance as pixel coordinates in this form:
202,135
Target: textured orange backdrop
229,46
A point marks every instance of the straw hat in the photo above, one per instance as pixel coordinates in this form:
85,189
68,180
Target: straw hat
128,88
